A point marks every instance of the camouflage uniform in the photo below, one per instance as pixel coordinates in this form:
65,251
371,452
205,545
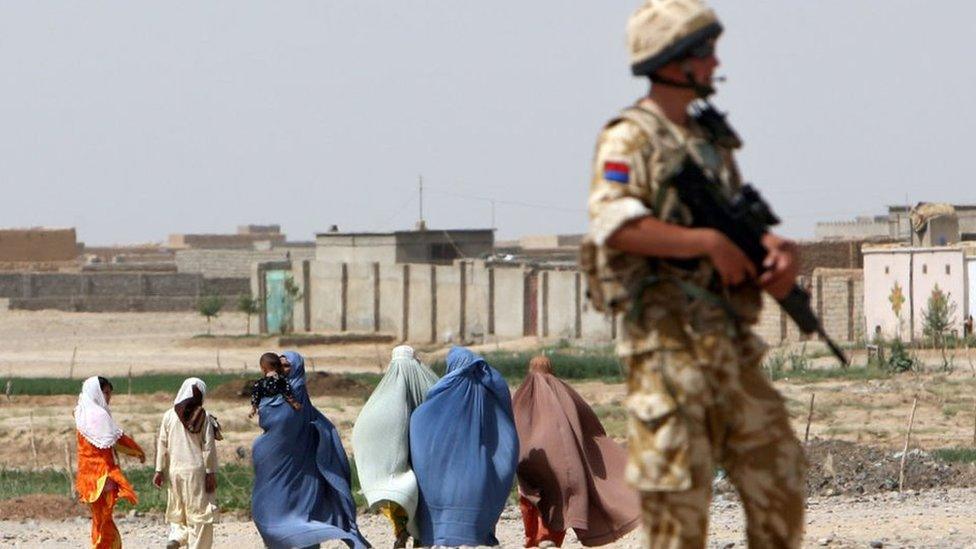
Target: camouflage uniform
697,396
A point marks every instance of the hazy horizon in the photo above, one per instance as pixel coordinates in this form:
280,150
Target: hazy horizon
130,122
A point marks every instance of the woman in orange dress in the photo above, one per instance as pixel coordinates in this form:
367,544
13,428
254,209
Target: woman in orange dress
100,481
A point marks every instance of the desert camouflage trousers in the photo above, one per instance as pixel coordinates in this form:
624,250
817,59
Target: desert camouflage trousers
702,401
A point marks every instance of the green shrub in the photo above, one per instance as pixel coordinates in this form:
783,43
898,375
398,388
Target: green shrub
898,358
234,484
599,364
210,307
958,455
143,384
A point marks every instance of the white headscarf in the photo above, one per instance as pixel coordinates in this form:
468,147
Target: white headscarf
93,418
186,390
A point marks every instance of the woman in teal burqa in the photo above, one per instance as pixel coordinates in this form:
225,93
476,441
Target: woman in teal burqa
381,442
301,494
464,450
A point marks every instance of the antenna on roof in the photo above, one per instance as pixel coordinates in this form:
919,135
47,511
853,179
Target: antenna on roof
421,224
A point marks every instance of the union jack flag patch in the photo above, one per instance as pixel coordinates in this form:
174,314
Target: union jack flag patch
616,171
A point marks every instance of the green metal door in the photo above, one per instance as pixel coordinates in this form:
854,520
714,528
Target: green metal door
277,306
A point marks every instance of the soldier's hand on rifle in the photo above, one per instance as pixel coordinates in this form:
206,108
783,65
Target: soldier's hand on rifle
782,266
730,261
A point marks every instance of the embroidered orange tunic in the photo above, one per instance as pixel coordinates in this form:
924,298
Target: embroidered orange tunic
96,465
96,470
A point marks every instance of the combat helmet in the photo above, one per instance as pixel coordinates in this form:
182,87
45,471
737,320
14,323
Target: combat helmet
662,31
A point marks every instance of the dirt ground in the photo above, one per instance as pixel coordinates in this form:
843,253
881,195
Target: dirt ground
871,413
42,343
856,433
839,467
935,518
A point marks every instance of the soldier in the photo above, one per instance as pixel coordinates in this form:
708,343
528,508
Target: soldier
697,396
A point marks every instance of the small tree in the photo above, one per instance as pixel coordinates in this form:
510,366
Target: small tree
937,317
210,307
293,294
937,324
249,306
293,290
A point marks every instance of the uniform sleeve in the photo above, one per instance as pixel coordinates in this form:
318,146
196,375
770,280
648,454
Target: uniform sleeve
162,446
619,181
209,446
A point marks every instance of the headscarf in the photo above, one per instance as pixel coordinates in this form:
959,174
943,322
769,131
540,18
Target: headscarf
464,450
381,436
568,467
539,365
188,404
93,418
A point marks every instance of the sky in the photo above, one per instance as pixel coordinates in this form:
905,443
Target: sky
134,120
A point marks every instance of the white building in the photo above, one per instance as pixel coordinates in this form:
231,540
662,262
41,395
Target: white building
899,280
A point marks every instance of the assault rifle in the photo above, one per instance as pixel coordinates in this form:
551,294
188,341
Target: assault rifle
744,220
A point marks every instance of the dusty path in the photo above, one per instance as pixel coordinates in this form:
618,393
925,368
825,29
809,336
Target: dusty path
110,343
41,344
941,519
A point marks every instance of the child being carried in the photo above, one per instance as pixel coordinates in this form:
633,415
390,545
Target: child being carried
273,383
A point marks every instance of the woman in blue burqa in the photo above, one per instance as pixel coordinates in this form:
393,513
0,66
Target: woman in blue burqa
464,451
301,493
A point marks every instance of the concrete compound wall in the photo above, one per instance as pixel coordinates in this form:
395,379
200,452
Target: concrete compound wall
836,297
474,301
391,293
222,241
105,292
833,254
559,297
360,297
234,263
476,308
416,302
868,228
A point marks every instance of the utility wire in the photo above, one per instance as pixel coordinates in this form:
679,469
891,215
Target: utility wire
507,202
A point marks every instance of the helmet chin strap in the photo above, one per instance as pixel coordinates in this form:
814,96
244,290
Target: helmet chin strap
702,90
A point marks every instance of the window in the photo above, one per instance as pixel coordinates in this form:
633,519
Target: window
443,251
925,269
947,269
886,269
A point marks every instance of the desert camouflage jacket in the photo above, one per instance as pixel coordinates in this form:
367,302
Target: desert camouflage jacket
636,155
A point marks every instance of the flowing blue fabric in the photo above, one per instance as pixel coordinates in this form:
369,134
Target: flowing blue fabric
464,450
301,494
